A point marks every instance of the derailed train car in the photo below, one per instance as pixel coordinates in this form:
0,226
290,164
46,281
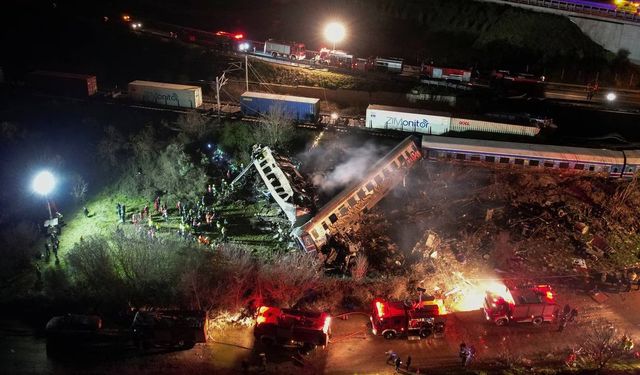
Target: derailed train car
602,162
360,196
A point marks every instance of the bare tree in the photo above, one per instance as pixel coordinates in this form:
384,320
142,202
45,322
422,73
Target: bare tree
79,189
360,268
602,343
276,127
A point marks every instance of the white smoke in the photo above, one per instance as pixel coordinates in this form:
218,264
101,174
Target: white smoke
357,163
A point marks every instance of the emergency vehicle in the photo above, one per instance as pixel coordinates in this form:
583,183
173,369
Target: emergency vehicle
446,74
528,304
339,59
391,319
287,50
275,326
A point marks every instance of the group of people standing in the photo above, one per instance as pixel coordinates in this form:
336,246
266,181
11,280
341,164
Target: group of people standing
195,218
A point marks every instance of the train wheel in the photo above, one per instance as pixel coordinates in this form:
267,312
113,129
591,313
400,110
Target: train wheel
274,54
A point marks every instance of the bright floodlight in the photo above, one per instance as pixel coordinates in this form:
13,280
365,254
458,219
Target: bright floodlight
43,183
334,32
611,96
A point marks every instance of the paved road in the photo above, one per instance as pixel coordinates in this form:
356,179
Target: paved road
352,349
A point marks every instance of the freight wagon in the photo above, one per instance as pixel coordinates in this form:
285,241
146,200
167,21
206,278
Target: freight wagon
65,84
168,94
431,122
296,108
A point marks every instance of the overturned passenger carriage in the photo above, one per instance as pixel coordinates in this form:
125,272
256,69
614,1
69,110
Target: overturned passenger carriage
359,197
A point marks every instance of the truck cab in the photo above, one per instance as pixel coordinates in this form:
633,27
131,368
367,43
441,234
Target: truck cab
421,319
534,304
276,326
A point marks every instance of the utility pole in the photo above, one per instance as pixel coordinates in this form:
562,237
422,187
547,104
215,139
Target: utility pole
246,70
220,81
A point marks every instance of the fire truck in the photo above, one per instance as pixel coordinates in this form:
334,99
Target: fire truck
415,320
275,326
517,84
447,74
336,58
534,304
288,50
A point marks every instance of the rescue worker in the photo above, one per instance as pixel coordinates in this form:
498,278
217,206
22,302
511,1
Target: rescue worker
124,213
627,343
47,250
119,209
391,356
398,364
408,362
573,315
464,353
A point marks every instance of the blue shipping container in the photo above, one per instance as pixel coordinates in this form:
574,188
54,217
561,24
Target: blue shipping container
297,108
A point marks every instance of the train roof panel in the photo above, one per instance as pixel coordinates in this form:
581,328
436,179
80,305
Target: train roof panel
170,86
407,110
284,98
526,150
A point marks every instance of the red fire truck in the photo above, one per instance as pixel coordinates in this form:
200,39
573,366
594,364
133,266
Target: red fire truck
275,326
336,58
417,320
288,50
527,304
447,74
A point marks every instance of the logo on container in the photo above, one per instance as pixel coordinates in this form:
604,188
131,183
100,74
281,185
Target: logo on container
400,122
161,98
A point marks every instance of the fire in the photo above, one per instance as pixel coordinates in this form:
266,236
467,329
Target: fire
471,297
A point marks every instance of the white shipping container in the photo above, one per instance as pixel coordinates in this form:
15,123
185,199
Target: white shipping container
461,125
407,120
166,94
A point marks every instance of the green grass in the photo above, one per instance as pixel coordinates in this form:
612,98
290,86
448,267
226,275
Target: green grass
103,220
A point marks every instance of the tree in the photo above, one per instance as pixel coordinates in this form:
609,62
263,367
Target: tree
360,268
79,189
237,138
112,146
194,125
276,127
602,343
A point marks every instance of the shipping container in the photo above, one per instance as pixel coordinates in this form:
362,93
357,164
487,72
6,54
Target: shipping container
65,84
407,119
297,108
168,94
466,124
